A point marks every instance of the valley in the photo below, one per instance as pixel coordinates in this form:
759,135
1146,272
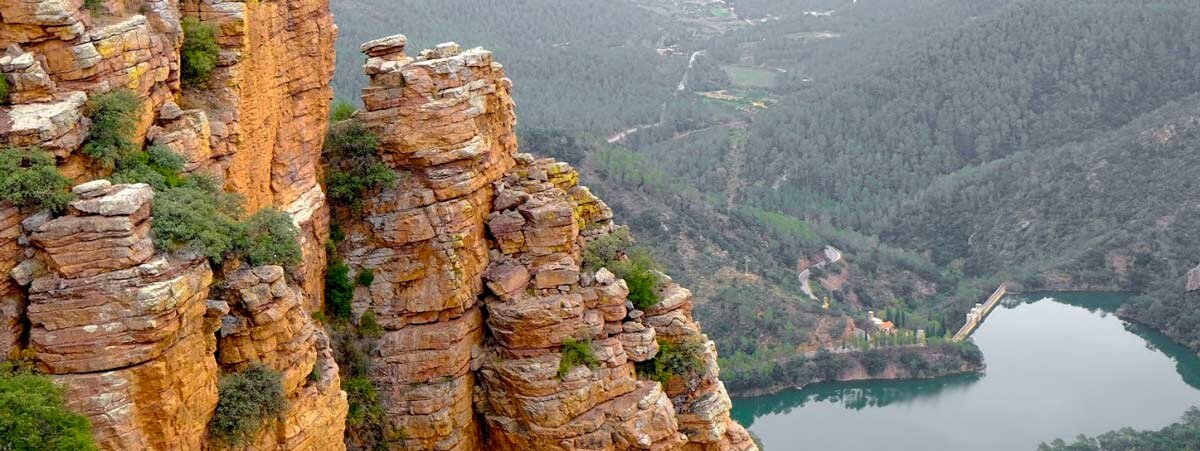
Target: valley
725,145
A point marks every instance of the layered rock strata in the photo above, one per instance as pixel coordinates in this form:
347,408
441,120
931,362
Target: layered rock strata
125,330
478,282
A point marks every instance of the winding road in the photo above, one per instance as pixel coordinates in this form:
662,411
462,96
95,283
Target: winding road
832,255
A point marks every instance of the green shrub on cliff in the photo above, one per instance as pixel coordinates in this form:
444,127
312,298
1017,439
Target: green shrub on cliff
198,57
673,360
341,110
641,273
246,399
3,89
352,155
158,167
194,214
575,353
270,238
114,117
616,251
338,290
197,217
30,179
33,416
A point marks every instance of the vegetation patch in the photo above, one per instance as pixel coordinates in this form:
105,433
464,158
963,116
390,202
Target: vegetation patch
93,6
114,117
364,401
3,89
197,216
338,290
575,353
673,360
158,167
34,417
353,167
341,110
752,77
247,399
270,238
1179,436
616,252
30,179
198,57
365,277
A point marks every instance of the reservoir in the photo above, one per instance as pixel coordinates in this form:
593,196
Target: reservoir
1058,365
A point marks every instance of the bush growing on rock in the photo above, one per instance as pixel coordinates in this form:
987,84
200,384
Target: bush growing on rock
30,179
673,360
193,214
197,217
338,290
158,167
341,110
114,117
245,400
642,275
605,250
3,89
33,416
352,155
198,57
575,353
365,277
364,401
270,238
617,252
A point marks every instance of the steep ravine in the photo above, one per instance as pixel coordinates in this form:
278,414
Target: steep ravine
476,252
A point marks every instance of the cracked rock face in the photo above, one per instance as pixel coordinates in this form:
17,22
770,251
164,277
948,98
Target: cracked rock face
478,282
478,278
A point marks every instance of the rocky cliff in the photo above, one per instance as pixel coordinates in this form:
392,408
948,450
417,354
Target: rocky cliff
480,282
139,337
478,279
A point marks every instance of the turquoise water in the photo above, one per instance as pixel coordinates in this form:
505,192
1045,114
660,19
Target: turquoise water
1059,364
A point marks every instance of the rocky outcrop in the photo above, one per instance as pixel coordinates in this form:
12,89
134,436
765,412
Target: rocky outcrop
131,334
127,332
1193,280
479,283
445,123
266,323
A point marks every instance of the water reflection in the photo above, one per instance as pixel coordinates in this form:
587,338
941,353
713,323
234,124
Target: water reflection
1059,364
852,395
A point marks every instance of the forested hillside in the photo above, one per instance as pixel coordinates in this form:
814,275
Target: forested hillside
1114,211
1037,75
944,146
581,65
1176,437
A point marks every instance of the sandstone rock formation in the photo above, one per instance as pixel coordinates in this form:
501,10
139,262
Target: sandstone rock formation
476,251
479,282
129,331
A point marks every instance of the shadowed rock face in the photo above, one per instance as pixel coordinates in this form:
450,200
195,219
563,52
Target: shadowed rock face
478,282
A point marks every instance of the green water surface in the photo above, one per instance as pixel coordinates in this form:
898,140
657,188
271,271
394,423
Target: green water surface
1059,364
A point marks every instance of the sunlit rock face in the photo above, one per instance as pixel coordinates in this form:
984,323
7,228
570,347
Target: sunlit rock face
135,335
476,251
479,282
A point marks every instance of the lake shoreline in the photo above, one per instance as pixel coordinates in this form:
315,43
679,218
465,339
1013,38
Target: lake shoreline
1058,365
856,372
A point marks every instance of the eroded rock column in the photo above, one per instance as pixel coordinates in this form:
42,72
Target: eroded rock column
538,300
125,330
445,121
